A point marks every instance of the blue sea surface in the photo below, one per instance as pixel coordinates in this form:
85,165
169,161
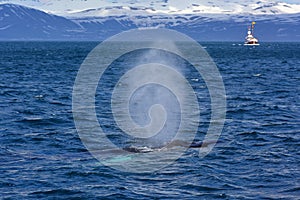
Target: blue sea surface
256,157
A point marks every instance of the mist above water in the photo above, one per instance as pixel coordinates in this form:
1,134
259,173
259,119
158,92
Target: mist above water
153,108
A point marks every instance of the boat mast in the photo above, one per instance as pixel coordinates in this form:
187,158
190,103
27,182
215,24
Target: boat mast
253,27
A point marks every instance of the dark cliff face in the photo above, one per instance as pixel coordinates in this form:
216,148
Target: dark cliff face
22,23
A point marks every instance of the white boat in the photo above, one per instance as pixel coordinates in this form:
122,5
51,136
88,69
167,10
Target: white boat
250,39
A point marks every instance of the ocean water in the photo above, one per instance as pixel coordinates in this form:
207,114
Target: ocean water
257,155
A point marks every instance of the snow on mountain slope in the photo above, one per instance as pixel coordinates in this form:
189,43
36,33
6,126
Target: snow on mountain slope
101,8
157,13
286,8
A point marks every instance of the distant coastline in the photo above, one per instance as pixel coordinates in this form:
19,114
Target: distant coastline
21,23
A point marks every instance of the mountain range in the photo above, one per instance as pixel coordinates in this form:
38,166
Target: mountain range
209,21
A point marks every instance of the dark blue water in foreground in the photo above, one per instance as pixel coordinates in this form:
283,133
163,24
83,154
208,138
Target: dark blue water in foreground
257,157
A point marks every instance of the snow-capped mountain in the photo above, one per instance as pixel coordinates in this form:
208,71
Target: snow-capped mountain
215,7
18,22
23,23
88,8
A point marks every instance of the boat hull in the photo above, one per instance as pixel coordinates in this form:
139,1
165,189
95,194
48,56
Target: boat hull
251,44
